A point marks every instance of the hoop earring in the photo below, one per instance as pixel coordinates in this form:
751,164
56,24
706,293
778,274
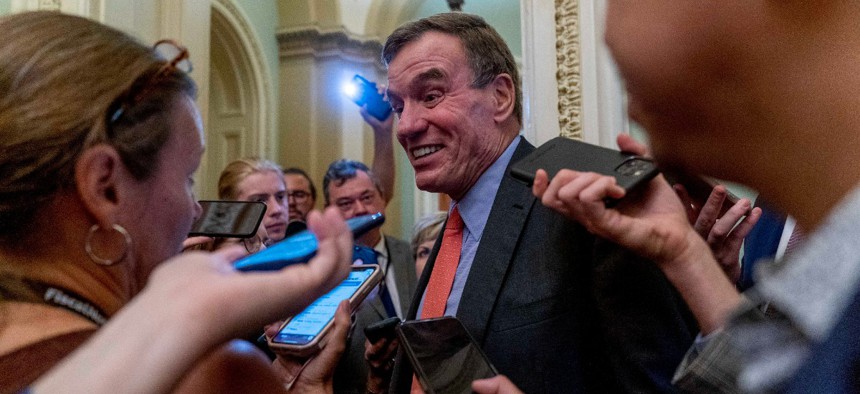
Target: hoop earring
107,262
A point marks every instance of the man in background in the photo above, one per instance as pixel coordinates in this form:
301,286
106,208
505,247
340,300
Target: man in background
353,188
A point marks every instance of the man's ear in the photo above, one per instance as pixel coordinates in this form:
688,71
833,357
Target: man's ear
505,95
98,175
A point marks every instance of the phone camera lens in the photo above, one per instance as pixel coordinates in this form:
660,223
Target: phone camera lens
634,167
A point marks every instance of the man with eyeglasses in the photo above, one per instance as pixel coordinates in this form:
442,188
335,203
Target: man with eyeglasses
355,190
301,193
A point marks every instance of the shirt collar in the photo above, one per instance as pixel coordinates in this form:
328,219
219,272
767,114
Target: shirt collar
380,248
476,204
815,283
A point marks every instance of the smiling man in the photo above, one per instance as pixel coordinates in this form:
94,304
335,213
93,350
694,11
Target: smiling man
552,306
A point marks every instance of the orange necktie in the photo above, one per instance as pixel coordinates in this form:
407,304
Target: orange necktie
442,277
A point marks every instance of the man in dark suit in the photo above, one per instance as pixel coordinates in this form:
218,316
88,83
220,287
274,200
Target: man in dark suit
354,189
553,307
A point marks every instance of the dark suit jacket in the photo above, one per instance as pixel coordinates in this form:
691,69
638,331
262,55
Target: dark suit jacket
351,373
552,316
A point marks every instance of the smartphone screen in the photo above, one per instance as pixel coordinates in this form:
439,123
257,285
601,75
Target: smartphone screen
307,326
235,219
445,357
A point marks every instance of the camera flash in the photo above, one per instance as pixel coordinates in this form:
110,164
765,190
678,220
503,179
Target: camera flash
350,90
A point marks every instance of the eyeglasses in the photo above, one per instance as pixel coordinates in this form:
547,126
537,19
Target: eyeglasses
298,195
255,244
176,58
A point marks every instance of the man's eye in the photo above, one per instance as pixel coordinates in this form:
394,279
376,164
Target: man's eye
431,97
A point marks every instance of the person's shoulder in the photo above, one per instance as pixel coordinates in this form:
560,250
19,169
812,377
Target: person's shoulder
237,366
397,244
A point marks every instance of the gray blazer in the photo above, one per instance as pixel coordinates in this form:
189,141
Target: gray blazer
351,373
558,310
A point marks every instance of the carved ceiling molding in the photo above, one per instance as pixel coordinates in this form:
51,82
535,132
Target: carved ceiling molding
569,74
49,5
311,41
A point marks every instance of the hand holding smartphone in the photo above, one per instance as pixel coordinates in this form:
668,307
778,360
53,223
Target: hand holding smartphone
364,92
630,171
382,329
300,247
304,334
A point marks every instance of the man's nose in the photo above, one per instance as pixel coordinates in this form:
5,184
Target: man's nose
360,209
411,121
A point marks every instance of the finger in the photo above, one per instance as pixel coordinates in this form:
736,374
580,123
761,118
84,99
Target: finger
626,143
375,352
737,211
689,205
191,242
710,211
365,115
540,184
550,195
334,253
270,330
571,191
601,189
736,238
722,229
342,321
228,254
391,349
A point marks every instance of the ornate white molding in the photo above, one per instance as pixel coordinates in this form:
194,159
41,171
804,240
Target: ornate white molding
569,74
312,41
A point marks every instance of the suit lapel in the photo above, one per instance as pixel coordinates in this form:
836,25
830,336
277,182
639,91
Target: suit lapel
511,208
405,279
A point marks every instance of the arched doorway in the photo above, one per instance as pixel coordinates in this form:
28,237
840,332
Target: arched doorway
239,121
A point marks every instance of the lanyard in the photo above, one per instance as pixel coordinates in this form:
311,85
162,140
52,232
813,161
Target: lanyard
38,292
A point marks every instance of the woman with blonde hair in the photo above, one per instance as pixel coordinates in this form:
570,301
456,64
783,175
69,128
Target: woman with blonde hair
99,139
255,179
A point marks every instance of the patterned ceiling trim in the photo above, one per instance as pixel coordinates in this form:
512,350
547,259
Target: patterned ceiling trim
569,74
311,41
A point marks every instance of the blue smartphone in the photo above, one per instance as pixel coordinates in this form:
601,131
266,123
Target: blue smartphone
365,92
300,247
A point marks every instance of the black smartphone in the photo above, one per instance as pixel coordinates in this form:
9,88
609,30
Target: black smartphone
558,153
382,329
304,334
233,219
300,247
365,92
444,355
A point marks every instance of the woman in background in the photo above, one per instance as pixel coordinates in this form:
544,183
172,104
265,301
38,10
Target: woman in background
99,139
424,235
254,179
